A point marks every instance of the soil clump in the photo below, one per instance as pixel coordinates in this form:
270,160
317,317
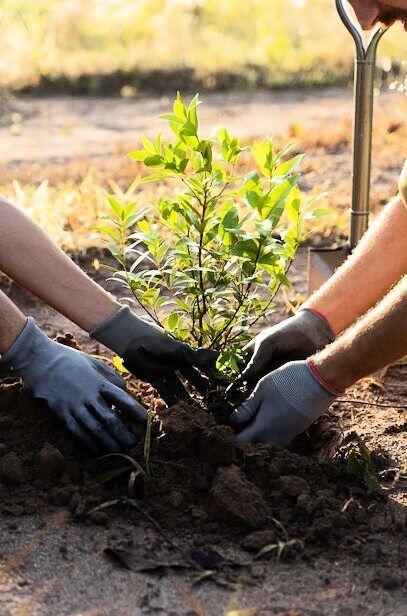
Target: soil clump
201,483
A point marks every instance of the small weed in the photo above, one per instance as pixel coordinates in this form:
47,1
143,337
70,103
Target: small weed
133,467
360,465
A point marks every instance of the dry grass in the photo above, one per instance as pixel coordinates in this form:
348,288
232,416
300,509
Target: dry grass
69,208
258,41
69,204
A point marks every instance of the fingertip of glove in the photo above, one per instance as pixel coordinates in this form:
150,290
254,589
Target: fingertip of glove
131,441
203,357
234,418
241,439
139,411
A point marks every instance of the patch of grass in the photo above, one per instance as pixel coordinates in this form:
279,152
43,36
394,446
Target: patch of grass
119,45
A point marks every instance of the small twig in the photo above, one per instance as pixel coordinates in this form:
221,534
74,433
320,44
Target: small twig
158,528
381,404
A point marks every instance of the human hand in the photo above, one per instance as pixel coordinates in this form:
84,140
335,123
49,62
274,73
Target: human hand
154,356
283,405
77,389
369,12
295,338
366,11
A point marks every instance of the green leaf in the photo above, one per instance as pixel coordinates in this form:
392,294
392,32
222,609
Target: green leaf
154,161
138,155
148,145
172,118
108,231
319,212
116,206
289,166
246,248
188,129
179,107
173,320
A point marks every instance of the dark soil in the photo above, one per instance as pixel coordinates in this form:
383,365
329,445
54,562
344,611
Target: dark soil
201,483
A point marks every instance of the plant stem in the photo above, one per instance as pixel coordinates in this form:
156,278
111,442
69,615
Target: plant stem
202,312
273,295
240,303
128,280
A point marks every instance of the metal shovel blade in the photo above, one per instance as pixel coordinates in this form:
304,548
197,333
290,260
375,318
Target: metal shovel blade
322,262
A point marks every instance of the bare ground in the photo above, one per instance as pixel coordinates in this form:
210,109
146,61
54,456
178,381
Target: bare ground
52,564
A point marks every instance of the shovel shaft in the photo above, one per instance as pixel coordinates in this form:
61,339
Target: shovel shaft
362,147
365,60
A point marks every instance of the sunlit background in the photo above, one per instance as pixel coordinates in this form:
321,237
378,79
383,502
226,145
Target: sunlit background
218,43
131,49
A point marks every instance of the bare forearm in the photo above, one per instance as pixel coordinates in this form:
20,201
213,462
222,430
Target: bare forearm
376,340
30,258
12,322
378,262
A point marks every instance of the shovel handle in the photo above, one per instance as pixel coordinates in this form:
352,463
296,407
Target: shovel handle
364,50
365,61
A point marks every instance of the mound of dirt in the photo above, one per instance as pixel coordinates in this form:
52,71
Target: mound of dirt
202,484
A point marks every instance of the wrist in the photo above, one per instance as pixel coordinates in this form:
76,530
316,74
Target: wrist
322,317
301,388
335,369
12,331
117,331
26,346
325,378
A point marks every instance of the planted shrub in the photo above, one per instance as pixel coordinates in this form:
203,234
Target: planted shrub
207,262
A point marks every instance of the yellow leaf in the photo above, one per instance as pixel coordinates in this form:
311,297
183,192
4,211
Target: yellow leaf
118,364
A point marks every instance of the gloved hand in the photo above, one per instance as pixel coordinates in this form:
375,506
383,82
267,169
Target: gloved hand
152,355
283,404
77,389
297,337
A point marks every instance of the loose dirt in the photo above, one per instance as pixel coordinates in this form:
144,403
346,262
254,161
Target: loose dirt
332,548
303,510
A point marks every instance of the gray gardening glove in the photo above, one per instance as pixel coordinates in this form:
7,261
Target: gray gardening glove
295,338
283,404
77,389
154,356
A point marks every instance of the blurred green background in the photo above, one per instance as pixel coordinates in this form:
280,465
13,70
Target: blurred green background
134,46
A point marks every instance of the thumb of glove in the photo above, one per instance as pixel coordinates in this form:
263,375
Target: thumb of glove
200,358
246,411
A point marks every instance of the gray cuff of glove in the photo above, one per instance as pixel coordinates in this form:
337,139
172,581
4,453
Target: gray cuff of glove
318,327
301,390
120,329
26,344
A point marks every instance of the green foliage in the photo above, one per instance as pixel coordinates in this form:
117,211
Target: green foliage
360,465
207,262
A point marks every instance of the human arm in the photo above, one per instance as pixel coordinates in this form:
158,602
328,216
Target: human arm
288,400
30,258
378,262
